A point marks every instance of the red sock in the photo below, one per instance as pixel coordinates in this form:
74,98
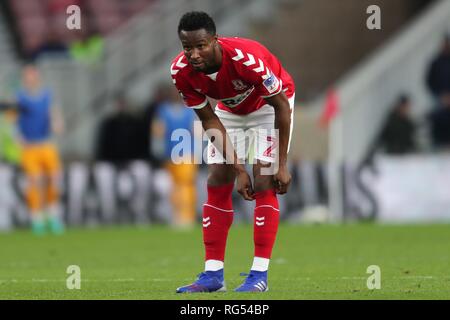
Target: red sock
217,219
266,219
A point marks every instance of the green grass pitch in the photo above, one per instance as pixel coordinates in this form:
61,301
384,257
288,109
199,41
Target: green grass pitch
309,262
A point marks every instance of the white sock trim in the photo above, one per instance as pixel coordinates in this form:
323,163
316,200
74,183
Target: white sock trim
260,264
267,206
213,265
224,210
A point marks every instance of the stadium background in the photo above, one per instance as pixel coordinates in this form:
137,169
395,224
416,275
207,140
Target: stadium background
348,78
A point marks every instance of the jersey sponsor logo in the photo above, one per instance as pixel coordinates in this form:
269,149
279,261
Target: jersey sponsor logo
271,83
238,85
234,101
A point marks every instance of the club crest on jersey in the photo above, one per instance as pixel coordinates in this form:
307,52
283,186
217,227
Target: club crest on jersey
271,83
238,85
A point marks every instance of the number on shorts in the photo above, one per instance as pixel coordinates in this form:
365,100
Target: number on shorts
268,152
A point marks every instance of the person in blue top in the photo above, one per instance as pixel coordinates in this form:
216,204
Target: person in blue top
37,120
174,125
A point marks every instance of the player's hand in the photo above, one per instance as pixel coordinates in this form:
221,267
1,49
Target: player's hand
244,186
282,179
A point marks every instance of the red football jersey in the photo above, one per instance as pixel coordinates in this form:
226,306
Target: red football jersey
248,74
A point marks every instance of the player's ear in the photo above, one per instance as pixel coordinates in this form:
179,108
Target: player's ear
216,42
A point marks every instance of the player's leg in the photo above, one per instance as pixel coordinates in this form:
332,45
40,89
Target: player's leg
52,167
189,195
184,195
267,215
34,180
217,219
265,227
174,194
218,209
217,214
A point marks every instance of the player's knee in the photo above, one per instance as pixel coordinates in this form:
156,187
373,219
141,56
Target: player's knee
34,180
220,175
53,179
263,183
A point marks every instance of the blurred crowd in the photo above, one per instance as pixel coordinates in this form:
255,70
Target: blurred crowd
146,134
399,133
86,47
129,133
31,120
37,24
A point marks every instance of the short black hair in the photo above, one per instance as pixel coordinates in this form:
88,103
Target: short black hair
196,20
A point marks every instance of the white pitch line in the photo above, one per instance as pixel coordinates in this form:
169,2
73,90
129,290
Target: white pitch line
363,278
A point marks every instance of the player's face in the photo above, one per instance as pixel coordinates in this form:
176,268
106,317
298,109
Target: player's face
200,49
30,77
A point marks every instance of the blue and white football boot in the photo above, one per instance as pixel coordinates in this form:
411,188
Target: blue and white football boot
256,281
208,281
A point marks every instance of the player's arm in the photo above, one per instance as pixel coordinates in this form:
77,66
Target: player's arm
210,121
282,109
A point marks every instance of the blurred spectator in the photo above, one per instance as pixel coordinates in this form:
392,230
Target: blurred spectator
440,124
438,76
173,115
53,46
119,138
38,119
88,48
9,142
60,6
397,135
148,117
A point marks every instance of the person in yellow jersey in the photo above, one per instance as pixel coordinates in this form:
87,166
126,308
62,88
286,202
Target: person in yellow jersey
37,120
171,116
